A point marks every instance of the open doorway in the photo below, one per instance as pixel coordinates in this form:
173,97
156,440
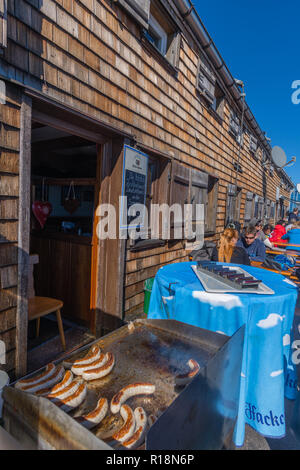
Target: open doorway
64,192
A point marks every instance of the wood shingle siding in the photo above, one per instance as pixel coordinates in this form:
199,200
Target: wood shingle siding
89,56
9,198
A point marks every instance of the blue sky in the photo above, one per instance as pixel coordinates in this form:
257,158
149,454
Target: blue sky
260,43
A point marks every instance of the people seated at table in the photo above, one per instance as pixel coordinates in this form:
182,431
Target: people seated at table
293,237
266,231
255,248
227,251
278,232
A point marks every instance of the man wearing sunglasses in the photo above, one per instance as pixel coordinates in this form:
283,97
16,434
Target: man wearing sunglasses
254,247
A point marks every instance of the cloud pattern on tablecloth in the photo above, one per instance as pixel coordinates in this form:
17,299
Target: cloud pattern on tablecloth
271,321
226,301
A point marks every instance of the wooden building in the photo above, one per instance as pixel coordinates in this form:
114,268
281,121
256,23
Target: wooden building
79,79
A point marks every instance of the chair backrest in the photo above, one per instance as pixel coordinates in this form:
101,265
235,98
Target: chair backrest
33,259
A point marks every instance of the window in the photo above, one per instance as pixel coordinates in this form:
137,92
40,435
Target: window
3,23
159,31
157,35
162,34
190,186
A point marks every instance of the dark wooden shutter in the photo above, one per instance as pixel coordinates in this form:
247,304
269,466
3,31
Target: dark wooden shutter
180,184
3,23
174,49
233,204
272,210
180,190
138,9
234,124
256,201
198,193
212,204
260,208
206,80
267,210
248,208
230,209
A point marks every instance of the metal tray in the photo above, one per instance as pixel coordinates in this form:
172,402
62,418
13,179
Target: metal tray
151,351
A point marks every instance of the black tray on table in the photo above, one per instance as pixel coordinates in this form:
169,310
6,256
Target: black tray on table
217,278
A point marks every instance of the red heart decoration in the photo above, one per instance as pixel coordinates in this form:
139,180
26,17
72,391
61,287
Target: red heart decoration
41,210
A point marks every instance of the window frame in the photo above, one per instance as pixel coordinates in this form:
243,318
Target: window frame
160,33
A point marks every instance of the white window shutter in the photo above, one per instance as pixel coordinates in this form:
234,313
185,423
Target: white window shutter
138,9
3,23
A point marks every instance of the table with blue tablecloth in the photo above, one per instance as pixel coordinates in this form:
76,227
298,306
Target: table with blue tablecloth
268,374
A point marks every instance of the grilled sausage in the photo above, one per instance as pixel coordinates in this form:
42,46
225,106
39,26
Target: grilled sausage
184,379
141,425
142,388
92,356
72,401
101,371
127,429
79,369
68,377
64,392
95,417
51,380
49,370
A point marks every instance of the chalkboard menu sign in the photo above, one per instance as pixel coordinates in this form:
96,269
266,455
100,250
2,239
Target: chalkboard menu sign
134,187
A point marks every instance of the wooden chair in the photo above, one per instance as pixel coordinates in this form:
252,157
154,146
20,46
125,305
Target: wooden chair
40,306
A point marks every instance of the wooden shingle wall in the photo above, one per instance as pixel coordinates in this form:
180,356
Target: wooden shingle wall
88,55
9,191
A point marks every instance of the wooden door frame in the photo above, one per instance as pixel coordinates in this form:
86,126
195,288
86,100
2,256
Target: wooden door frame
52,113
23,236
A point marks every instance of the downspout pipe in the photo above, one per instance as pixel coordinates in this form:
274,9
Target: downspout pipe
190,15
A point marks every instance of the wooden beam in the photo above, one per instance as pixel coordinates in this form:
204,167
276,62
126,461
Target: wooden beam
66,181
68,127
23,237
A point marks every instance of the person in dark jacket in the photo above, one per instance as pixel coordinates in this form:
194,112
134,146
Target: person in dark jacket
255,248
227,251
293,216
